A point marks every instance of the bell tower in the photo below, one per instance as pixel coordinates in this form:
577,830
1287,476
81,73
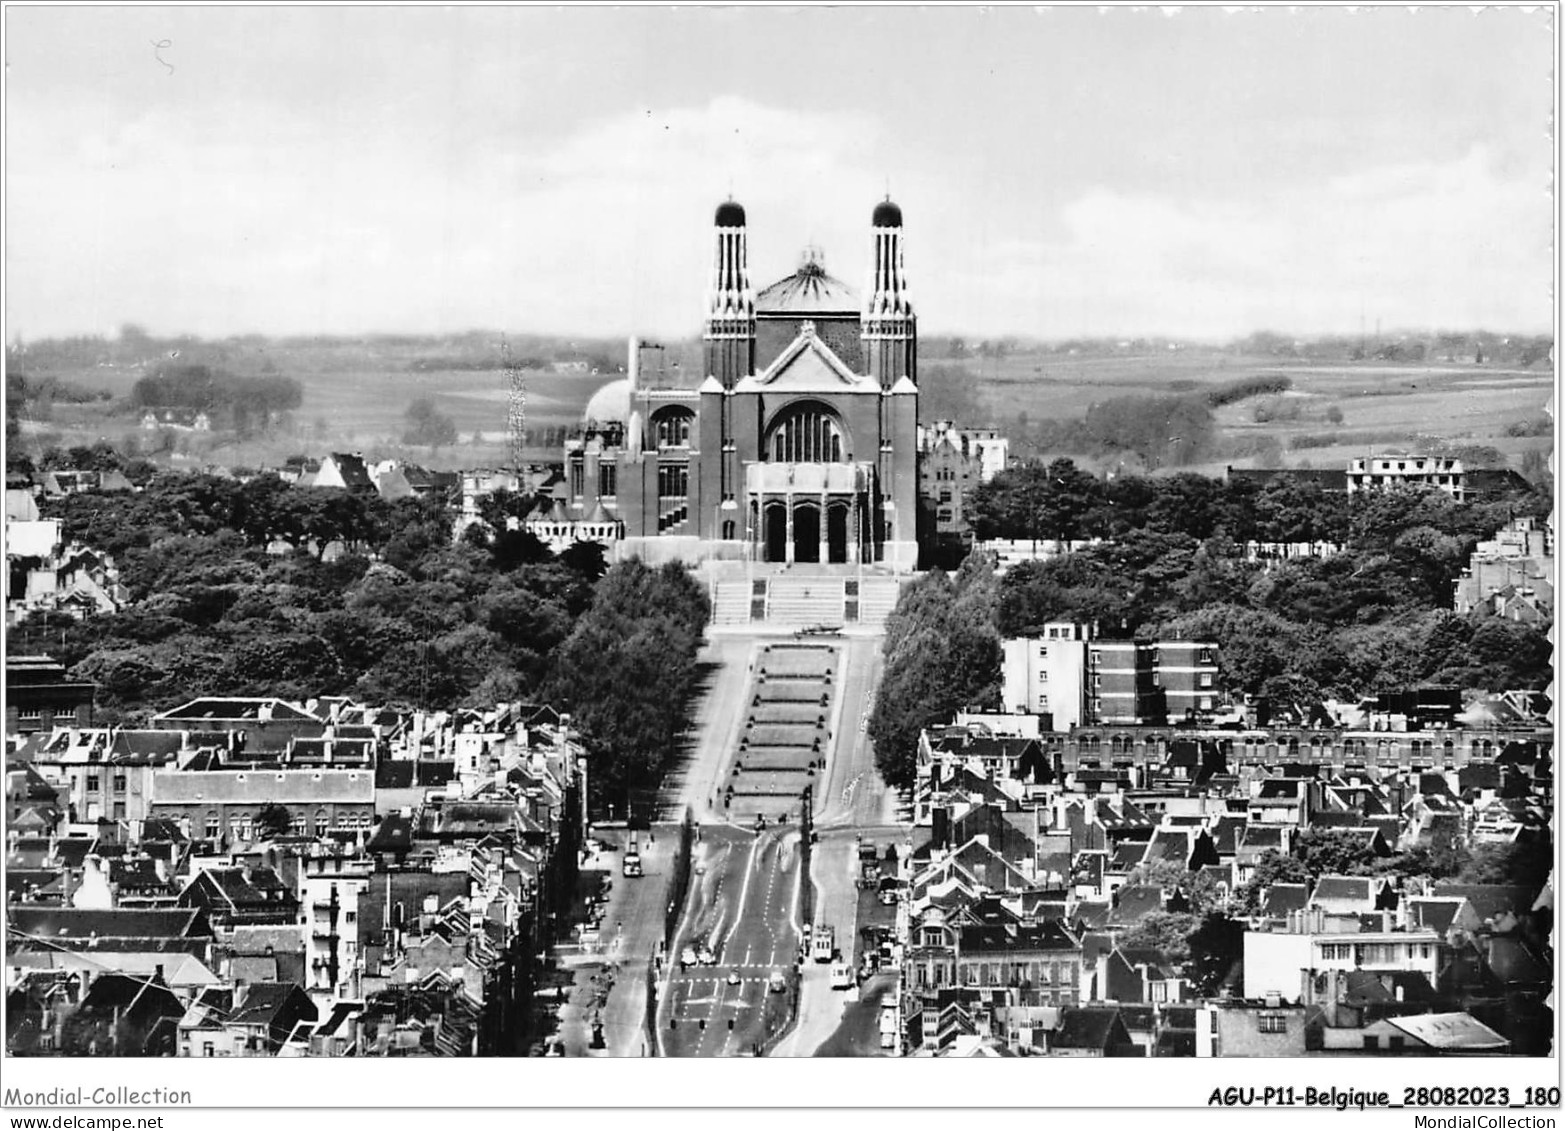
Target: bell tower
889,328
729,333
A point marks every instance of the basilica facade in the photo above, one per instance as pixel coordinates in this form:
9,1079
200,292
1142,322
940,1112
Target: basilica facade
800,443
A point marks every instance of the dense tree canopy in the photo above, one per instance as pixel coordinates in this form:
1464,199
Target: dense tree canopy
942,654
1373,617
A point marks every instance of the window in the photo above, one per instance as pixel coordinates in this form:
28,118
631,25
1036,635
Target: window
672,430
213,828
607,480
728,531
119,782
1043,702
1043,677
807,434
206,1049
1043,651
1396,1044
1372,1042
945,494
1274,1023
578,479
1097,657
29,713
322,822
92,783
1206,679
943,514
673,481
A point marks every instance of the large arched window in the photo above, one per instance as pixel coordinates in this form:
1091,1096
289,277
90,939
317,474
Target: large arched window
807,433
671,428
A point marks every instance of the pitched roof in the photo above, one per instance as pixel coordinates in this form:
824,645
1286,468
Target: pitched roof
1490,900
185,787
1283,898
252,710
80,924
1343,889
1137,901
1087,1028
1450,1031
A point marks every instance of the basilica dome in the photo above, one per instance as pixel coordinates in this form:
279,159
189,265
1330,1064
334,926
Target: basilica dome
610,404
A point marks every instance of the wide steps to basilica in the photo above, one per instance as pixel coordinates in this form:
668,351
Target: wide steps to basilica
877,597
806,600
731,602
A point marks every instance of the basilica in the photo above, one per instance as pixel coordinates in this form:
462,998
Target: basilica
800,442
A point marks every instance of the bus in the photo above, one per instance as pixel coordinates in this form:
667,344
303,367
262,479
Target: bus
631,864
841,974
823,943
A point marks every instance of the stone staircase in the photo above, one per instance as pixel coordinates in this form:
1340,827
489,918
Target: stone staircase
877,597
731,602
805,600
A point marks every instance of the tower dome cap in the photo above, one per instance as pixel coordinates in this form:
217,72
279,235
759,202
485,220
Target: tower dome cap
887,215
730,214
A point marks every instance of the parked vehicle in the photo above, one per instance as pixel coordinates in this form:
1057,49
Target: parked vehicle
631,864
823,943
841,974
777,983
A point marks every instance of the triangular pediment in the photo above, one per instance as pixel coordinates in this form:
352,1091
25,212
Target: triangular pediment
807,365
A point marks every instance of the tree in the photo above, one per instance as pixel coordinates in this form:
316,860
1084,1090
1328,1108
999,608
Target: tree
1215,946
1167,932
428,426
273,820
1524,863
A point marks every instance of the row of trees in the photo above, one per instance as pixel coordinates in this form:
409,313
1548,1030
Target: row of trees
1374,617
249,404
406,617
942,654
1058,500
627,670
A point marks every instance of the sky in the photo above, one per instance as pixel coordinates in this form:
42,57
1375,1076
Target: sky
1062,172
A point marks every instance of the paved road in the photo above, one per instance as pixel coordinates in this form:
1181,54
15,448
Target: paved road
855,798
743,908
717,717
744,904
632,929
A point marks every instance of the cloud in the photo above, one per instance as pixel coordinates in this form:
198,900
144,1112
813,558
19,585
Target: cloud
297,229
1453,243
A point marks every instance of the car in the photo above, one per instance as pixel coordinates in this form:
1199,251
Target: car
776,983
733,976
687,957
706,957
700,867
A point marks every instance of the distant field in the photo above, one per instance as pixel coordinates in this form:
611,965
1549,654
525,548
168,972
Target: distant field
355,397
1380,405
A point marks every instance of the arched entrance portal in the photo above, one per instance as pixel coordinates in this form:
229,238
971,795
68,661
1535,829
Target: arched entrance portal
806,533
776,533
837,533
